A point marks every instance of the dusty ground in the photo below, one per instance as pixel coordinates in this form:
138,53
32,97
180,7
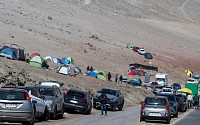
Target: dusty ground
95,32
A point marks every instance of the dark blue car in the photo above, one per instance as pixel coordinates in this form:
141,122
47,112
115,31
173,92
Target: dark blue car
176,86
148,56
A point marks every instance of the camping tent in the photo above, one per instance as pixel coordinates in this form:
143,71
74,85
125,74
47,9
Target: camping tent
48,58
65,61
36,61
136,72
101,75
19,51
135,82
71,60
9,53
35,54
59,61
77,69
66,69
54,60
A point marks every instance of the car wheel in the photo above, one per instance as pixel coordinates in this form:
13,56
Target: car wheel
30,122
62,113
176,115
168,121
121,106
142,119
114,107
94,105
46,114
54,115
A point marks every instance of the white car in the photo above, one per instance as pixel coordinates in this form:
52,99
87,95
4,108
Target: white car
192,80
167,90
51,83
141,51
197,78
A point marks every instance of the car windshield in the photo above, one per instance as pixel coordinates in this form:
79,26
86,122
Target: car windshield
176,85
190,80
12,95
160,80
167,90
77,94
170,97
108,91
155,101
46,91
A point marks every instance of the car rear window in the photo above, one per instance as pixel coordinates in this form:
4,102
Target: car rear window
46,91
167,90
155,101
108,91
12,95
77,94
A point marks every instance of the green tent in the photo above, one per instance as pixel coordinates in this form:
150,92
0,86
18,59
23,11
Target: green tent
101,75
36,61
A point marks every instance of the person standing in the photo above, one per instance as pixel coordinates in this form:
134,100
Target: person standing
116,78
103,101
109,76
196,102
189,97
91,68
88,68
120,79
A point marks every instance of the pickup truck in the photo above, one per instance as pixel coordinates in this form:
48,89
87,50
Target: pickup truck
115,99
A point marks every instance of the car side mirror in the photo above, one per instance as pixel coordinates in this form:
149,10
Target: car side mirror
34,102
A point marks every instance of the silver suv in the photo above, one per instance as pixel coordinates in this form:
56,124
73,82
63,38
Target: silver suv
16,106
54,100
155,108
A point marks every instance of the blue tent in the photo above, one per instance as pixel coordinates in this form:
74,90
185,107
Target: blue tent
59,61
9,53
65,61
92,73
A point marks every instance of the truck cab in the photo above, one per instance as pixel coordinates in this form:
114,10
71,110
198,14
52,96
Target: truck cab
162,79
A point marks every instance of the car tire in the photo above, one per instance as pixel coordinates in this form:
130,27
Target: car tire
54,115
94,105
168,121
176,115
61,113
114,107
45,116
32,122
121,106
142,119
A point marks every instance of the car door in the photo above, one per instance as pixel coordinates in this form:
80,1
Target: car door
59,99
118,98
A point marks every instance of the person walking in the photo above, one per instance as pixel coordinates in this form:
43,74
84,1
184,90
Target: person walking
196,102
103,101
109,77
190,100
120,79
116,78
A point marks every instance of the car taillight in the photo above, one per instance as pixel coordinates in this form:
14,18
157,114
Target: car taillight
66,95
143,105
11,91
27,96
167,108
82,98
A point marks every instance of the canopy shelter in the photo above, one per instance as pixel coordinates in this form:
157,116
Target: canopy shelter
19,51
9,53
186,90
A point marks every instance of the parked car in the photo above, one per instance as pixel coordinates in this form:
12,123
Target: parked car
167,91
176,86
115,98
192,80
155,108
173,103
197,78
54,100
39,105
135,48
150,88
78,100
51,83
16,106
148,56
154,84
141,51
182,99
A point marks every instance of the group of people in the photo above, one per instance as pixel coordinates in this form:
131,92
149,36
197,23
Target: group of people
118,80
193,101
89,68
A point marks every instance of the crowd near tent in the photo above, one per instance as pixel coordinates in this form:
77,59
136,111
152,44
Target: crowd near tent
18,53
36,61
66,69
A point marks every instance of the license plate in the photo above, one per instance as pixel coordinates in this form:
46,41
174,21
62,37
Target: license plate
154,114
11,105
72,101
